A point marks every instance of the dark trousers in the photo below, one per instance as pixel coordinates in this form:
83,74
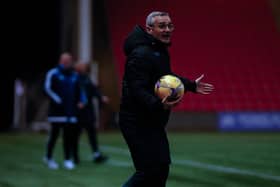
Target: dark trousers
69,142
91,133
149,148
153,176
92,137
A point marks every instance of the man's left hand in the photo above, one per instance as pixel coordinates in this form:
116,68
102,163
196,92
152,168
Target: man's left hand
202,87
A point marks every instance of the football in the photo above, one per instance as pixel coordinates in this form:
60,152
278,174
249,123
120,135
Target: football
169,87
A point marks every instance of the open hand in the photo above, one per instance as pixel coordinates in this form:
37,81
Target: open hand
202,87
81,105
105,99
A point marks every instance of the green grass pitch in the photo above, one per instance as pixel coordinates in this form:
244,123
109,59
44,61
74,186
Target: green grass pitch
198,160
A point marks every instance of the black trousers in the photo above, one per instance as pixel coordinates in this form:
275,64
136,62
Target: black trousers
69,139
149,148
90,129
152,176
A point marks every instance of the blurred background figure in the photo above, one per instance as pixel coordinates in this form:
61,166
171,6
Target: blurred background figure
86,113
62,88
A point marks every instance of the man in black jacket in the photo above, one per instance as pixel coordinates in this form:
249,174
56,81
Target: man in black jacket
143,116
86,112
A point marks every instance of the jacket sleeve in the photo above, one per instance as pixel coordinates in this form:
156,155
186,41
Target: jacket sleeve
188,84
48,87
139,70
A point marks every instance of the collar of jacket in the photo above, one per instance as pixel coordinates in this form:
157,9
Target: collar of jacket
139,37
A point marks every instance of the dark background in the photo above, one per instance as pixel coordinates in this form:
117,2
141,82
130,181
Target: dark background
31,46
239,39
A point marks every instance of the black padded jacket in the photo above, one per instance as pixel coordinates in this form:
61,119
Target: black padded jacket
147,60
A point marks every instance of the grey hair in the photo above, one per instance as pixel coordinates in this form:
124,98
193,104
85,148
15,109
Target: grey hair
150,21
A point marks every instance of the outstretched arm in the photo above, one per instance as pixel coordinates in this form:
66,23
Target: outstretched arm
197,86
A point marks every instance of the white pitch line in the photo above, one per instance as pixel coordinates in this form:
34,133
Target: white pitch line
225,169
192,163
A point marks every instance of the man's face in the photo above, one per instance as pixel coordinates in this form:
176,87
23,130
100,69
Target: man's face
66,60
161,29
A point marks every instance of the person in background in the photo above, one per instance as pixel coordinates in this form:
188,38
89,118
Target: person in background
86,113
143,116
62,88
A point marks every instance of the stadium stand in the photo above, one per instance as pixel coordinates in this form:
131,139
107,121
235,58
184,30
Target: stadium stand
234,43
